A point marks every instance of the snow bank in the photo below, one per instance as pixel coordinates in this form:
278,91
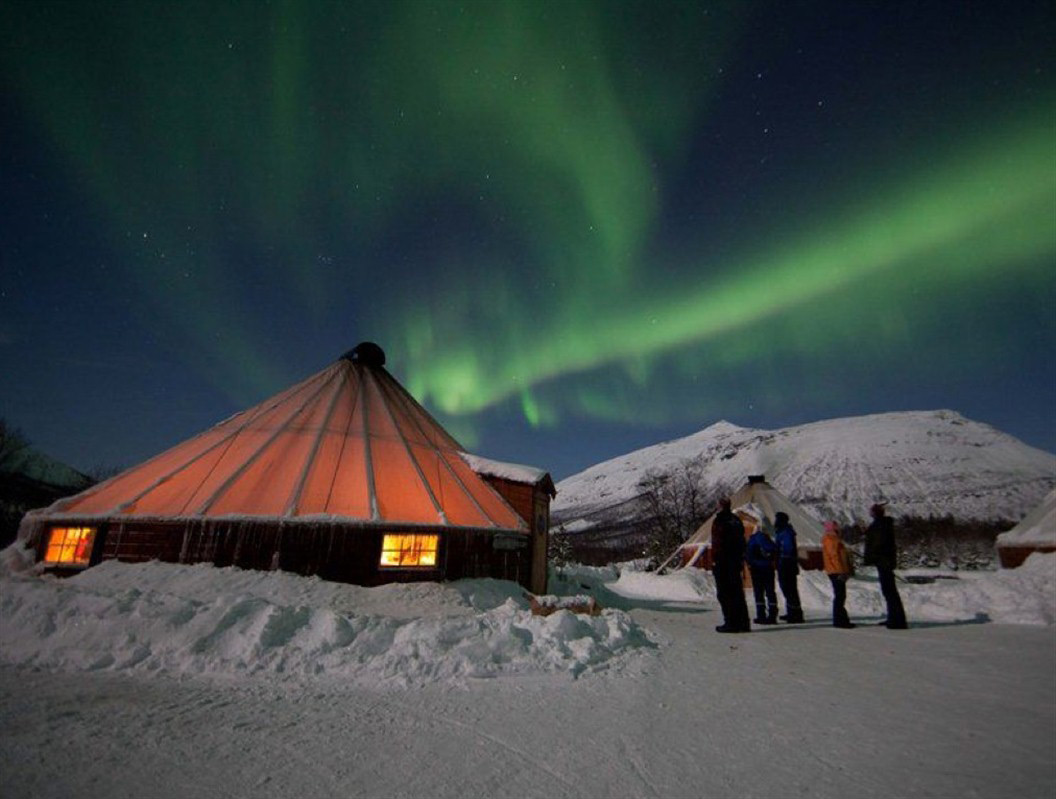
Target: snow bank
1026,595
17,559
157,617
685,585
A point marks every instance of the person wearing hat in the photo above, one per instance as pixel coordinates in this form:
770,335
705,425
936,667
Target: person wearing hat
881,552
838,567
788,567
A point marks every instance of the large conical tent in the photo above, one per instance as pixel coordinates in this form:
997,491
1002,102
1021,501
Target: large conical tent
757,502
346,449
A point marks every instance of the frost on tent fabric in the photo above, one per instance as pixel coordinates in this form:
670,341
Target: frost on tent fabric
343,475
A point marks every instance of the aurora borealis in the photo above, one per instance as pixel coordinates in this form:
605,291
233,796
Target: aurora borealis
575,227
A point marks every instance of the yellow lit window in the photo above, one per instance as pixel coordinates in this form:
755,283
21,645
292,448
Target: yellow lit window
403,550
70,545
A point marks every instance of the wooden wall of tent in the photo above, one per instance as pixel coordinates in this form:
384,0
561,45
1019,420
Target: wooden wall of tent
332,550
532,503
1012,557
1036,532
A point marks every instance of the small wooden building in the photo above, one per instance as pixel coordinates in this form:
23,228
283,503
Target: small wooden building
529,491
343,475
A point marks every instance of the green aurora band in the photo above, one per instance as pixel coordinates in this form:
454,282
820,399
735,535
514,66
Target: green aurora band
304,129
988,206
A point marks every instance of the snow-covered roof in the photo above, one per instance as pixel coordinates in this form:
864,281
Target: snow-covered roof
507,471
37,466
1037,527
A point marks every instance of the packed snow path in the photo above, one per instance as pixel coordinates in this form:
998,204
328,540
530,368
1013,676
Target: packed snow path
962,710
665,708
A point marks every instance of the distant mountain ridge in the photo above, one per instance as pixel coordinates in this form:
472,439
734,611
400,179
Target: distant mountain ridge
33,465
922,463
31,479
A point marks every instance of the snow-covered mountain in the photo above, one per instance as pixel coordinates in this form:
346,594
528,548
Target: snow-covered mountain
32,465
923,463
30,479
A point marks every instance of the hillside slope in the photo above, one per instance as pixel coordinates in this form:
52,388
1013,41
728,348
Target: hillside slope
923,463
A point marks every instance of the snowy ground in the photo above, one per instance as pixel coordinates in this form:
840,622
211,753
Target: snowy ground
162,680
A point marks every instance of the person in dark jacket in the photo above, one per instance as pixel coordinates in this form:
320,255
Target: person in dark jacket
788,567
727,561
762,554
881,552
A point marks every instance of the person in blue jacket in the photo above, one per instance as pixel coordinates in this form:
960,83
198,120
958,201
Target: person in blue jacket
788,567
761,557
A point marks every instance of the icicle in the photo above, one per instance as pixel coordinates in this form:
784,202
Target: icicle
276,556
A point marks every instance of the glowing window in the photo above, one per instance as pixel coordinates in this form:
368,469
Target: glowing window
404,550
70,546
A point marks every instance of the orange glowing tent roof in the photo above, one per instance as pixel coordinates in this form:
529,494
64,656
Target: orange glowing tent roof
348,443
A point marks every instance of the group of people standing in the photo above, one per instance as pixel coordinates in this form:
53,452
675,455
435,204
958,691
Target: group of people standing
769,558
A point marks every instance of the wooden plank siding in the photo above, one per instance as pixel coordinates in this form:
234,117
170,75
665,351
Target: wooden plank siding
331,550
1013,557
532,503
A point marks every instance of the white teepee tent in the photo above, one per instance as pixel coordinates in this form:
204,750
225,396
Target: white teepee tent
1036,533
755,503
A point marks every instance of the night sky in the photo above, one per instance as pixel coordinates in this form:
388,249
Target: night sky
576,228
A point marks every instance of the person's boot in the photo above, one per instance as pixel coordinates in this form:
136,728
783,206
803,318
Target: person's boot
795,617
771,617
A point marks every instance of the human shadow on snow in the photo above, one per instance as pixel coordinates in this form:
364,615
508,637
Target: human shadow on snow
979,618
611,599
868,622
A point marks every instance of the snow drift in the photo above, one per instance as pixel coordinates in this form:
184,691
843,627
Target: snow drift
203,620
1026,595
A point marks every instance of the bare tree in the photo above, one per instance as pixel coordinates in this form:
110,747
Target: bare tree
676,504
559,549
12,443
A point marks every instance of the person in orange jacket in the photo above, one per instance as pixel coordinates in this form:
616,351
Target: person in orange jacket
838,566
